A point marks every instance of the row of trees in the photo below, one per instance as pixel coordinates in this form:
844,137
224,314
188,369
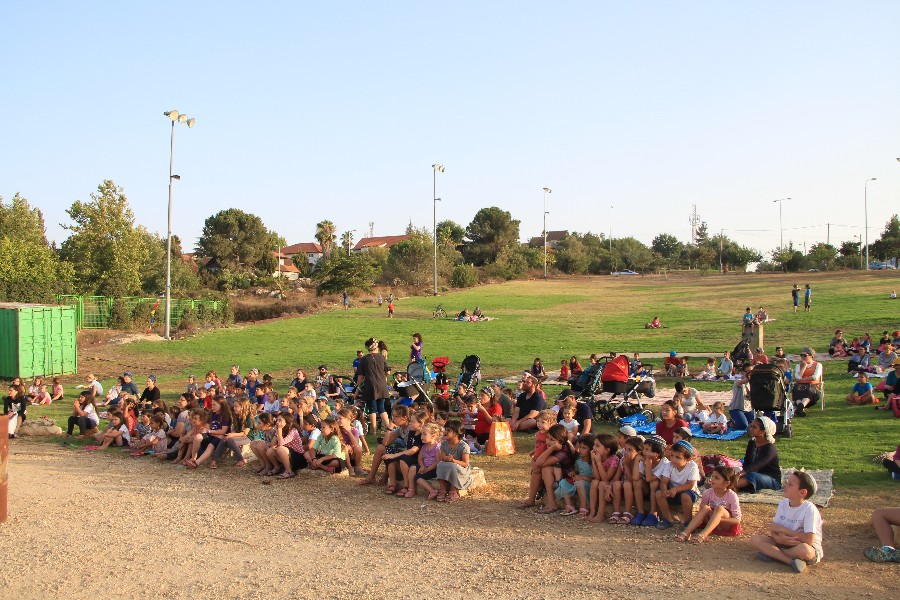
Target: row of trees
107,253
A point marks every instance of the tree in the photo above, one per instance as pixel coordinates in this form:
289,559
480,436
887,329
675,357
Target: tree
239,241
630,253
668,246
153,265
572,256
822,256
340,272
702,234
325,235
490,231
789,259
888,245
410,261
449,231
104,248
30,270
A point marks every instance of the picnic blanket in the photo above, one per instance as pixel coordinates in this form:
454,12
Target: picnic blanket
643,427
824,479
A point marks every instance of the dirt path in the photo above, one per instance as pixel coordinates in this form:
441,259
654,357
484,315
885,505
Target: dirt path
103,525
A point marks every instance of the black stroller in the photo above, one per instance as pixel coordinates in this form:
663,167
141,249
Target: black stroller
471,373
588,381
411,385
768,394
741,353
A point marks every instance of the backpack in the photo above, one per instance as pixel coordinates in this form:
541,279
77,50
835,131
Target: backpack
711,461
894,405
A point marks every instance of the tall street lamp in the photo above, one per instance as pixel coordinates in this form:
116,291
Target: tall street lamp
780,227
350,240
546,191
435,168
866,211
175,117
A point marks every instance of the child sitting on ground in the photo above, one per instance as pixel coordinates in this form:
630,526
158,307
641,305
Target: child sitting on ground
568,421
892,463
548,466
795,536
606,468
329,448
679,486
716,422
708,372
681,369
563,371
578,480
720,509
116,434
426,470
623,487
862,392
648,468
454,473
155,441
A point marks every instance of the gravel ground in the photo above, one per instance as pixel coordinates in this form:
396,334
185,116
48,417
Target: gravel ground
103,525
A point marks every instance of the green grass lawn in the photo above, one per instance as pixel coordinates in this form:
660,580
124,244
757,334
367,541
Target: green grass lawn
558,318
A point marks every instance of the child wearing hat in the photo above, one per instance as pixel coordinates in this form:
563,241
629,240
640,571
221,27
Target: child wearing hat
795,535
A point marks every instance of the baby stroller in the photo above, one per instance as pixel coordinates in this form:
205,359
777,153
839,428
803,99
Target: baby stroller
615,380
471,373
768,394
587,382
441,384
411,385
741,353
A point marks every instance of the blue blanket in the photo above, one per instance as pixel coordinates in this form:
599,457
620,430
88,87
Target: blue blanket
696,431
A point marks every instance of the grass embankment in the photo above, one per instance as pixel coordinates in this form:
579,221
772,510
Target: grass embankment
558,318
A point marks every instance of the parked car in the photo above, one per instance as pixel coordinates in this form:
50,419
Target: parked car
624,272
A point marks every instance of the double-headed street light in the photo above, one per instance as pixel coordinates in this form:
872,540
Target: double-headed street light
866,211
435,167
175,117
546,191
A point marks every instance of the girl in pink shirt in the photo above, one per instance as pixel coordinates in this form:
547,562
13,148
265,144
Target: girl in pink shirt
720,509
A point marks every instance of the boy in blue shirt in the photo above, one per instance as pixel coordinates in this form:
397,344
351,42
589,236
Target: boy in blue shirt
862,393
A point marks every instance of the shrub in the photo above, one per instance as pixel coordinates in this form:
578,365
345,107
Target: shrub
463,276
119,317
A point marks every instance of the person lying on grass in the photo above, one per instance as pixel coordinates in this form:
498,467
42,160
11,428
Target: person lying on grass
795,536
654,324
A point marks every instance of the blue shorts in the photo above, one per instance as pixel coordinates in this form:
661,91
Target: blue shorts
676,501
761,481
376,406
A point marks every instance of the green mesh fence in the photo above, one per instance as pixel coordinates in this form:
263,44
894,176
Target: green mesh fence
96,312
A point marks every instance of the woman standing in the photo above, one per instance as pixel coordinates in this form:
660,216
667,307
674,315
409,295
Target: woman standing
371,384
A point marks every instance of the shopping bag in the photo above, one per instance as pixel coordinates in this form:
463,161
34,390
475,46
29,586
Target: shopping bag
500,441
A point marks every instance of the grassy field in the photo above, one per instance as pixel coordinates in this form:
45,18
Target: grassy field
558,318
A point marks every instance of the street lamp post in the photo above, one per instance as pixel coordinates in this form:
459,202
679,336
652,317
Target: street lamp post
866,211
546,191
350,240
780,227
175,117
435,167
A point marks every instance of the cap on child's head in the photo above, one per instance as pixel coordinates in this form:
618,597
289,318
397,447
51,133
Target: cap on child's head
685,445
807,483
628,431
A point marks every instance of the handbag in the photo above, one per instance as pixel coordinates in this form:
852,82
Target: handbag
500,441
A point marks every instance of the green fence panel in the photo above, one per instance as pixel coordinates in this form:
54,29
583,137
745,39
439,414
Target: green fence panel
94,312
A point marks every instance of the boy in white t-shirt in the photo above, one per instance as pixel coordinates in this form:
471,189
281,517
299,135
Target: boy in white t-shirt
678,487
795,536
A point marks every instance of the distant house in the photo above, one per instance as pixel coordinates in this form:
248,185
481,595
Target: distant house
553,239
385,241
312,250
285,267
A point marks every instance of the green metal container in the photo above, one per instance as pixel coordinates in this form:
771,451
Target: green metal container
37,339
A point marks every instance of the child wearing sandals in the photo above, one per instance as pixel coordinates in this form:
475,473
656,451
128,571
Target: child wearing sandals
454,473
351,438
329,448
410,458
547,468
606,465
260,442
287,449
720,509
679,486
578,481
155,441
426,469
795,536
623,487
651,465
117,433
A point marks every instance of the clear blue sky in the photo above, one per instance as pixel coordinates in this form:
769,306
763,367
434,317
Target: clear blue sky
334,110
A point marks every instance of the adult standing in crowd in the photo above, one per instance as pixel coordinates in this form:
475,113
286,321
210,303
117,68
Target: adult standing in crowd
371,384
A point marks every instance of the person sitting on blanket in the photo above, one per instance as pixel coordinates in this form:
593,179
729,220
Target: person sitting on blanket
891,382
726,367
575,368
654,324
838,345
716,422
807,381
887,356
477,312
537,370
862,393
708,372
687,399
795,536
760,358
463,315
762,470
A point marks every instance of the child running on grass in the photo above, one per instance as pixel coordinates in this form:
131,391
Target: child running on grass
720,509
795,536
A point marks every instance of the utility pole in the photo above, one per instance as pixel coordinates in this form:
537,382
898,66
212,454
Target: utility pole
828,235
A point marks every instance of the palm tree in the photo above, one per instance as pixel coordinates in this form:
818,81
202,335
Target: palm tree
326,237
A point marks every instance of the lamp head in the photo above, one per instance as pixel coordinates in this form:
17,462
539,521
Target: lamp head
548,190
191,122
182,118
438,167
178,177
172,114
